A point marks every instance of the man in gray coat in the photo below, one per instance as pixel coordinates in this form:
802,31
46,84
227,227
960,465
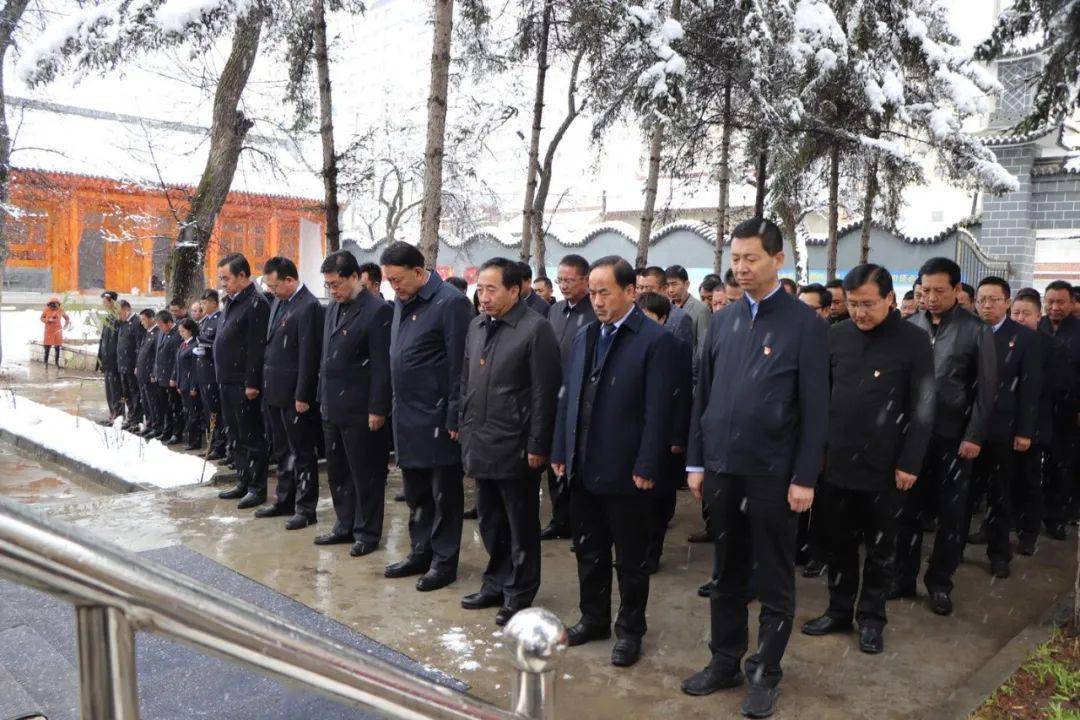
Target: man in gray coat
678,290
509,390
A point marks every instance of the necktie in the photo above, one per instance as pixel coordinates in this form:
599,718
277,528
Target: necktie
492,326
607,335
277,313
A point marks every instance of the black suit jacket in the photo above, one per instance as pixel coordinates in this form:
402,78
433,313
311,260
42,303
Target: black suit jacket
204,350
240,342
1016,402
187,378
165,357
129,336
144,360
539,304
568,321
110,329
354,377
628,421
293,349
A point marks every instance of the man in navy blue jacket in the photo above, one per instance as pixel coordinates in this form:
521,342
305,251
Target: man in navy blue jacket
611,438
757,438
427,347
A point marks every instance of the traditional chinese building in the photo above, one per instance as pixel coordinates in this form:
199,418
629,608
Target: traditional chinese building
97,199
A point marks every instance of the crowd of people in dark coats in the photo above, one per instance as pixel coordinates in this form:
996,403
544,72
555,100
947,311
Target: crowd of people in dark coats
808,421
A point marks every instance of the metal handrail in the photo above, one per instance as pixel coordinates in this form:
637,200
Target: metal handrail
117,592
966,240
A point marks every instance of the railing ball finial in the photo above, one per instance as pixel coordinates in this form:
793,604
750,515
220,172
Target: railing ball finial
537,637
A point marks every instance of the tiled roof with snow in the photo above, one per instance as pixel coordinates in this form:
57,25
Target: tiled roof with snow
83,141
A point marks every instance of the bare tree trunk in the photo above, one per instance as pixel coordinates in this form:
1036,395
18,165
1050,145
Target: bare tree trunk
431,209
572,111
868,212
326,131
762,181
834,211
788,215
528,224
229,127
725,183
9,19
656,146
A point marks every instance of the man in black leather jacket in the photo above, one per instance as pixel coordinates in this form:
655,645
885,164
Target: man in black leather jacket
965,376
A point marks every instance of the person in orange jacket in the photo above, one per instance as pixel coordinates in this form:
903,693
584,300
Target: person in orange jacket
55,321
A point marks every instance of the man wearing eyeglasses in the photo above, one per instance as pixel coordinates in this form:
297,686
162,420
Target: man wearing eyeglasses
567,317
1012,421
881,410
965,376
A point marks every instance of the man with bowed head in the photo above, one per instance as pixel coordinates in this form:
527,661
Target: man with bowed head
757,437
509,390
965,376
427,344
881,410
611,438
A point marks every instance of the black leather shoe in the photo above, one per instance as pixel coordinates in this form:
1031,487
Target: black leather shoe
481,600
1027,545
174,440
471,514
408,566
899,590
274,510
151,434
706,589
581,634
760,701
978,537
554,532
332,539
215,455
871,640
252,499
826,625
941,603
361,548
999,569
505,613
192,446
1057,531
712,678
298,522
701,536
434,580
626,652
234,493
814,568
400,497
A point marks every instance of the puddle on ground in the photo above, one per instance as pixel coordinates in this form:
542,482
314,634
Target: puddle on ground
28,480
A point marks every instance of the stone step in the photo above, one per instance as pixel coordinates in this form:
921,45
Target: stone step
47,677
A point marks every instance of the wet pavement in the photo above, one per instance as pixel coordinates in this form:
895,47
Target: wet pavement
926,656
32,481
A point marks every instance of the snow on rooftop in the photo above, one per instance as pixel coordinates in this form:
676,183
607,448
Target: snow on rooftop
86,141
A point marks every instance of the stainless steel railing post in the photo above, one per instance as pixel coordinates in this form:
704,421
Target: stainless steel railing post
536,639
108,685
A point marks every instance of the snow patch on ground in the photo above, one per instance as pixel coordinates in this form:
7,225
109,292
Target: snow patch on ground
107,449
18,328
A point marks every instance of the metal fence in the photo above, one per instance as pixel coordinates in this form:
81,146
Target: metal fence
974,263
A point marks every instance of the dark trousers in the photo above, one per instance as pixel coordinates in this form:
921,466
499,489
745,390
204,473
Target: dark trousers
664,507
754,528
53,347
992,473
172,412
129,385
509,514
356,471
151,405
244,421
851,517
1027,491
599,522
113,392
1059,475
193,419
559,492
295,436
436,500
211,404
942,486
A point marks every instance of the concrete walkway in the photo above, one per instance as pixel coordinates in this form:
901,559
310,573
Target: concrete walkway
927,657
